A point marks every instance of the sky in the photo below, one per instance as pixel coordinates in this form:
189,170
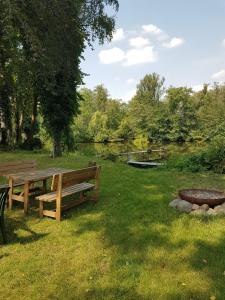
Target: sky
183,41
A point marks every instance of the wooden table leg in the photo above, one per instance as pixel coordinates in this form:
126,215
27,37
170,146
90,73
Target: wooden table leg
44,186
26,197
10,193
41,207
41,203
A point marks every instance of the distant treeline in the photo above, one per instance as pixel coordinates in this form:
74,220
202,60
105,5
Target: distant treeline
176,114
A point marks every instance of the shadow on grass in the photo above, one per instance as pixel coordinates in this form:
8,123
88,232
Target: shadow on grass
137,222
4,255
208,258
16,225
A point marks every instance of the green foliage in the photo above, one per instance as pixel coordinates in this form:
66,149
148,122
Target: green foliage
100,116
143,106
50,37
182,114
211,113
211,158
125,129
179,116
151,88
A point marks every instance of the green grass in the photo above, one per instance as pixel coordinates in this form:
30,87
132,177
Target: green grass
130,245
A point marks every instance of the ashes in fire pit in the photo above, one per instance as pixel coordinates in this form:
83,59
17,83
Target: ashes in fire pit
202,196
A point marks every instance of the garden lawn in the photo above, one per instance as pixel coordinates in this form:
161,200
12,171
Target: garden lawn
130,245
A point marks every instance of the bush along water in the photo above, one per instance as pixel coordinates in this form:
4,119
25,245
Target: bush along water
211,158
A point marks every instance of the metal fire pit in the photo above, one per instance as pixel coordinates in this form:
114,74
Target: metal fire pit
202,196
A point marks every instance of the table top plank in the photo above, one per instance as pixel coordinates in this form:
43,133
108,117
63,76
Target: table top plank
37,175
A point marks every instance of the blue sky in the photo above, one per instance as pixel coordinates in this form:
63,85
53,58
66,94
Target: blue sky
184,41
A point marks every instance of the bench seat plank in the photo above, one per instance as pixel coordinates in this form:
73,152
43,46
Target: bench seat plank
77,188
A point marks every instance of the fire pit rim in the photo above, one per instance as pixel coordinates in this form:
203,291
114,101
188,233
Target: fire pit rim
200,201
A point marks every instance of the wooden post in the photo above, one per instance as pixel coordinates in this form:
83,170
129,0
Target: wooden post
41,208
26,197
54,182
41,203
97,183
59,198
44,186
81,196
10,193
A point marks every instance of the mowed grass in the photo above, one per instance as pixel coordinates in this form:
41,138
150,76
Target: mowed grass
130,245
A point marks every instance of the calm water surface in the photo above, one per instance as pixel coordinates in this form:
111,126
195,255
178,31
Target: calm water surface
101,149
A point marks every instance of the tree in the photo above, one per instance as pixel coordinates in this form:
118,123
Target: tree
151,88
100,98
99,116
6,74
143,106
182,113
211,113
55,34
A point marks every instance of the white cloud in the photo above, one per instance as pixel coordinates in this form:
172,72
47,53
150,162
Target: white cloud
131,81
139,42
131,57
129,95
174,43
118,35
223,43
197,88
219,75
140,56
152,29
111,56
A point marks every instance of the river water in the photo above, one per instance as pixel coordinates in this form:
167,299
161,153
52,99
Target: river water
100,149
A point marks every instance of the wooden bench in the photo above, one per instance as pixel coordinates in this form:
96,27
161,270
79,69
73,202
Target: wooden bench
67,184
15,167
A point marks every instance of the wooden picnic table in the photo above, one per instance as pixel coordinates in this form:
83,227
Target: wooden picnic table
28,179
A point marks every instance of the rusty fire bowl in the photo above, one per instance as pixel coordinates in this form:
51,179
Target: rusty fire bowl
202,196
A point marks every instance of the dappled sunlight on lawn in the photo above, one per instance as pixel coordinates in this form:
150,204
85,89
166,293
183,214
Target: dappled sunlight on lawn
129,245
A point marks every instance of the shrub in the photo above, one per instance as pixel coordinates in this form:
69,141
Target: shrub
212,158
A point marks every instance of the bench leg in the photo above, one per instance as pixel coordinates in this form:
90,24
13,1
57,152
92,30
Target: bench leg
95,196
58,214
81,196
10,194
58,210
44,186
41,207
26,197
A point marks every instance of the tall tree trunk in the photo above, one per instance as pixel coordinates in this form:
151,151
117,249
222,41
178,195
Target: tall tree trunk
6,125
57,149
19,122
30,135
